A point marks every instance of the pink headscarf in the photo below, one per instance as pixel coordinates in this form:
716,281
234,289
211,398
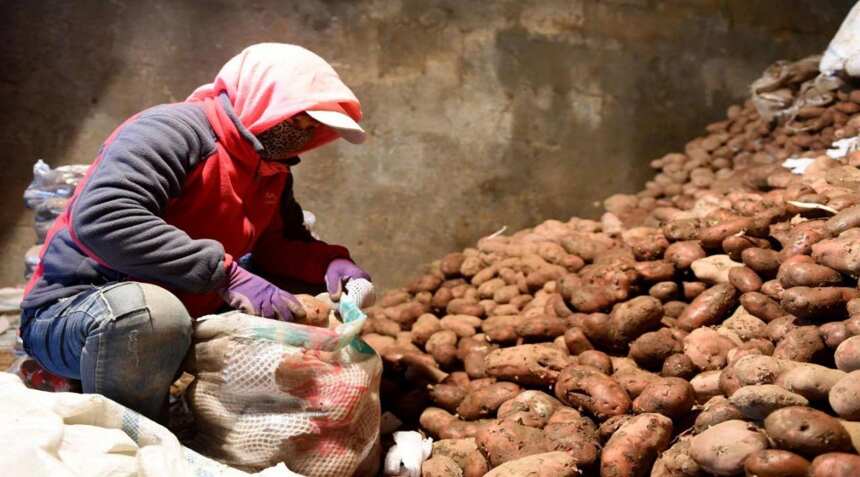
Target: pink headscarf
270,82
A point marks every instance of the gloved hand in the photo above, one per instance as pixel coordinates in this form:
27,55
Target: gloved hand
253,295
340,271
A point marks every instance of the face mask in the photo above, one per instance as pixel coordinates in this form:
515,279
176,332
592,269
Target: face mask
283,140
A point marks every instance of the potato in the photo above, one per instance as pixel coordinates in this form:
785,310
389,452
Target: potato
707,349
527,364
841,254
814,303
811,381
465,453
646,243
440,466
633,448
723,448
683,254
664,291
672,397
693,289
587,388
569,431
530,408
764,262
541,327
834,333
379,343
744,279
464,306
405,314
807,431
447,396
745,325
773,289
757,401
596,327
679,366
441,424
804,274
651,349
441,298
443,347
847,355
734,245
709,308
716,410
394,298
316,311
423,328
596,359
576,341
548,464
844,396
485,401
632,318
714,269
706,385
846,219
505,441
775,463
450,264
501,328
800,344
655,270
835,464
676,461
634,380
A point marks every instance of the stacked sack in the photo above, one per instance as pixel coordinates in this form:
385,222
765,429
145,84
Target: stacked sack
708,325
47,196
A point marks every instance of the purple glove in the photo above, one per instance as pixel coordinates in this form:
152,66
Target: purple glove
253,295
340,271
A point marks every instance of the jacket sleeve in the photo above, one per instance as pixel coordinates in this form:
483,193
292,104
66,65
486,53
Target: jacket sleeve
116,217
287,250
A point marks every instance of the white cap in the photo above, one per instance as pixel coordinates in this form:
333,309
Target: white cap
341,123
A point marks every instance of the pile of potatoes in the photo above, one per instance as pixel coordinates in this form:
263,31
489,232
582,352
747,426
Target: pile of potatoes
709,325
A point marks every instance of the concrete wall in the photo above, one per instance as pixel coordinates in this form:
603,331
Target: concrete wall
482,113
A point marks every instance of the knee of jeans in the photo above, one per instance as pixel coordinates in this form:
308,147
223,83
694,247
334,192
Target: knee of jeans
168,314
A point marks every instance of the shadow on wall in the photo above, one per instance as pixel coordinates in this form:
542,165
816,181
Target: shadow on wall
50,80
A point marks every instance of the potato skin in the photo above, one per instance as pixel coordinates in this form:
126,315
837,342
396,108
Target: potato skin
529,408
548,464
805,274
835,464
844,396
440,466
569,431
671,397
506,441
718,409
485,401
709,308
722,449
536,364
683,254
744,279
813,303
757,401
634,317
807,431
447,396
847,355
633,448
775,463
761,306
586,387
764,262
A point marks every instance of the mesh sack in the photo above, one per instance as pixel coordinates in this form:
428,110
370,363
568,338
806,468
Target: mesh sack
269,391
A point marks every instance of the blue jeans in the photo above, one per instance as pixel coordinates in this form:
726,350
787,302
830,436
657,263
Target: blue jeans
125,341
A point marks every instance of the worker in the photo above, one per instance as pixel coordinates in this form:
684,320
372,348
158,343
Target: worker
178,193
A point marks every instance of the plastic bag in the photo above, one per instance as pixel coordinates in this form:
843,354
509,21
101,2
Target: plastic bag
269,391
843,52
69,434
52,183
